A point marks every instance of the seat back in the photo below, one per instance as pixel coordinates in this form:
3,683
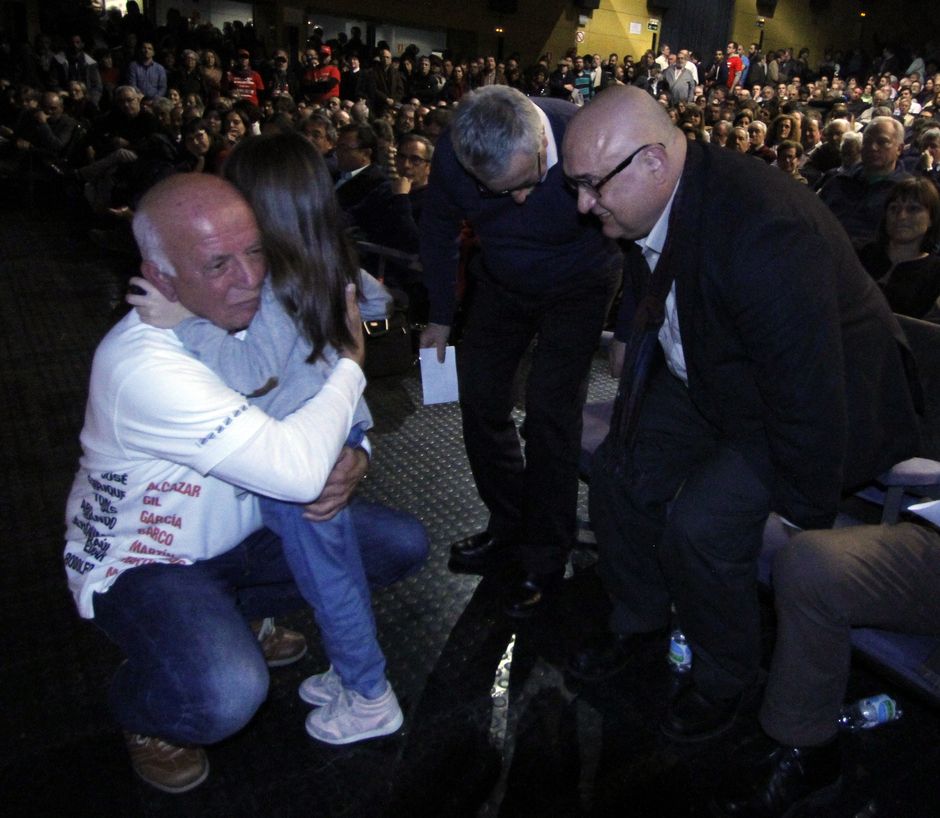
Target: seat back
924,340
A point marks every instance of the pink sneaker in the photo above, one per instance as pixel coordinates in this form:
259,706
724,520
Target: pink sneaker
351,717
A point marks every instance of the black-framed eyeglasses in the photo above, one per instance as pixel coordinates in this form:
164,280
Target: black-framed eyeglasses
413,158
594,188
487,193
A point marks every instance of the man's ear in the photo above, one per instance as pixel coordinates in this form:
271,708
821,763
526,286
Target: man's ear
164,282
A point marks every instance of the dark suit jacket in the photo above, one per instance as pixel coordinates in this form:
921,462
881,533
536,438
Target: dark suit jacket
377,214
351,193
784,333
381,84
542,246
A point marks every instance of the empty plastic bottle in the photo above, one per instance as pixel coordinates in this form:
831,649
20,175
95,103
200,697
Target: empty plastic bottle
680,654
870,712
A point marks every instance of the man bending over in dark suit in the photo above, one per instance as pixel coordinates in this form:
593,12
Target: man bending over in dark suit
547,273
782,385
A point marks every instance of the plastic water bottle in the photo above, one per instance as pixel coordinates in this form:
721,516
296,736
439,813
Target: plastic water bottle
867,713
680,654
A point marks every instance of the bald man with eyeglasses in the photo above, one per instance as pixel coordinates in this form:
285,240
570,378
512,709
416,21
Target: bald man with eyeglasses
761,371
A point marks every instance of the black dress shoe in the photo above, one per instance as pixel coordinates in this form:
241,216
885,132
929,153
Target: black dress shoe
692,717
531,594
790,779
607,654
478,553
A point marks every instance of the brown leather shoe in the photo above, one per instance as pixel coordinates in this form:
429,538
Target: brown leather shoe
280,646
168,767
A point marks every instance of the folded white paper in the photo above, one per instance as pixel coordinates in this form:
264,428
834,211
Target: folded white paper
439,380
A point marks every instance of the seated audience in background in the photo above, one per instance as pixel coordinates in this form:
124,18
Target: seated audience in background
196,149
79,106
903,257
319,130
784,126
383,156
721,133
757,133
413,164
929,163
826,156
436,121
235,127
364,190
857,198
41,135
789,152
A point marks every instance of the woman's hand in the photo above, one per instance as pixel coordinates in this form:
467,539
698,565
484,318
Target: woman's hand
356,352
152,307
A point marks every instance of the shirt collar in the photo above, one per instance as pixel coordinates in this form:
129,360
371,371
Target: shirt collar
655,240
551,151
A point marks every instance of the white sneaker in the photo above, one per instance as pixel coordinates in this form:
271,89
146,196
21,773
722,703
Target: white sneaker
351,717
322,688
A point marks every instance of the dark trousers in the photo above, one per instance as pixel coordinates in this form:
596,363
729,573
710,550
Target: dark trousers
532,497
682,521
824,583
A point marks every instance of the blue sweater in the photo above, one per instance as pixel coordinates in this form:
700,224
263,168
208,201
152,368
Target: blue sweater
536,247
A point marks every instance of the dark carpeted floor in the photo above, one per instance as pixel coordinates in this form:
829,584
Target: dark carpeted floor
492,727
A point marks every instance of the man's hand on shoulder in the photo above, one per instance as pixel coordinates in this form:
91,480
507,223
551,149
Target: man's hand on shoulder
348,471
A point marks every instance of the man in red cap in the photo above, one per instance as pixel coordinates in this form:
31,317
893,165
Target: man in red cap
321,82
243,82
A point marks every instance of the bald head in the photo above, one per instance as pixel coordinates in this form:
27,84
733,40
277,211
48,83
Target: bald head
200,245
625,156
178,202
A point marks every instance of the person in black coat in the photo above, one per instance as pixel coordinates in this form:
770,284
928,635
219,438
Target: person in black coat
778,383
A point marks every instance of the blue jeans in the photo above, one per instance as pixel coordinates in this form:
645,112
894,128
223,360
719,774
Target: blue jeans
327,567
324,559
194,672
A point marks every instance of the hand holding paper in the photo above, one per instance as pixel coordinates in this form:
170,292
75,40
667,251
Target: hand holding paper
439,380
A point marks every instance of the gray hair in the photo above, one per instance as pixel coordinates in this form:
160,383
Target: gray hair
329,128
491,126
124,89
162,106
896,126
150,242
414,137
851,137
931,136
